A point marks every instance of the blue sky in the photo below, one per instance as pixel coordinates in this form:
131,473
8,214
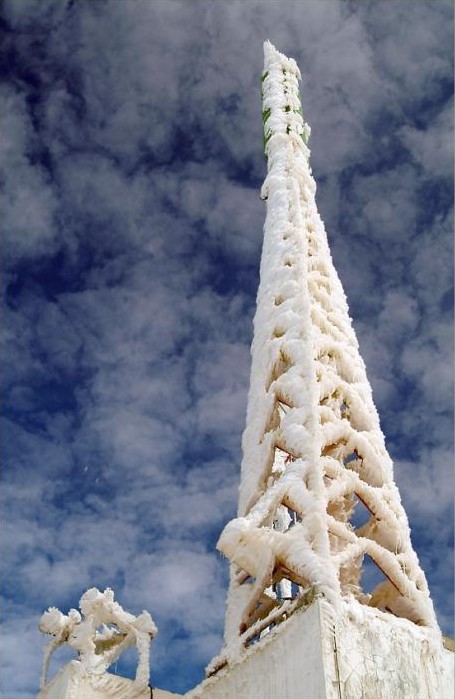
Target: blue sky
133,159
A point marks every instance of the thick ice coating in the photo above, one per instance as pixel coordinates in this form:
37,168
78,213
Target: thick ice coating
99,635
313,449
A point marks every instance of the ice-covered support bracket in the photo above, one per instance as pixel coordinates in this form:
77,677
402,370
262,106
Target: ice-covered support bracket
99,634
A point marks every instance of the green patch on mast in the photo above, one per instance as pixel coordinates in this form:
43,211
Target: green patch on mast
267,132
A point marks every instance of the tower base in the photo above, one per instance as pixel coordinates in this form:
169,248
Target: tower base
361,653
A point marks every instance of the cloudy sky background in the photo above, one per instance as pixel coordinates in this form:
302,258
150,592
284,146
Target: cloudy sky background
132,153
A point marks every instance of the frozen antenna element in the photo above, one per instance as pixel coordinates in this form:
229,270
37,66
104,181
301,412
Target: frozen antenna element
313,449
99,635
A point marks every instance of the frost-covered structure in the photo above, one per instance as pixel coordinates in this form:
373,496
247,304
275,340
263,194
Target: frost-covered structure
99,634
298,622
313,450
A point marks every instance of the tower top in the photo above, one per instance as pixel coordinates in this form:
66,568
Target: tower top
281,104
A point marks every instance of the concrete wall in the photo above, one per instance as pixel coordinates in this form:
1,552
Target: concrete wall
288,664
379,655
363,654
68,684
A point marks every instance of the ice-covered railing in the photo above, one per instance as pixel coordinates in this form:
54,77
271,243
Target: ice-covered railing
313,449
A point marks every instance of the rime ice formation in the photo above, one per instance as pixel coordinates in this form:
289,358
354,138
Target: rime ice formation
99,636
313,450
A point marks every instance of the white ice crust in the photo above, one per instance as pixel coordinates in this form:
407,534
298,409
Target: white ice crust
99,634
357,653
313,443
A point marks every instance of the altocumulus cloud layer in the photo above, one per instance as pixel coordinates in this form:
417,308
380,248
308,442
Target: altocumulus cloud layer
132,150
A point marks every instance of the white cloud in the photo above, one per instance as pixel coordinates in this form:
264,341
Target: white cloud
433,146
29,210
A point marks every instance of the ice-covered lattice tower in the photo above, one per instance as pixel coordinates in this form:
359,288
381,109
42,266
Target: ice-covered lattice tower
314,454
313,448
